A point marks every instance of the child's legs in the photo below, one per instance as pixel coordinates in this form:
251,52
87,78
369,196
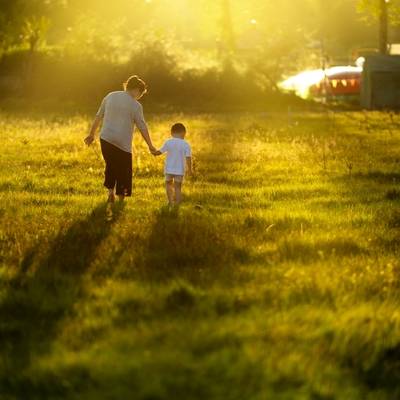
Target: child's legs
169,185
178,191
178,179
173,185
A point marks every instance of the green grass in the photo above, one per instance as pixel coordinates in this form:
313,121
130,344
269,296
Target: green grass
278,278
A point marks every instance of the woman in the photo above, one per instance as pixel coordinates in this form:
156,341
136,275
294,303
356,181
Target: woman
120,112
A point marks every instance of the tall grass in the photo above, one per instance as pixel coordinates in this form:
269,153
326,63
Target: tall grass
278,277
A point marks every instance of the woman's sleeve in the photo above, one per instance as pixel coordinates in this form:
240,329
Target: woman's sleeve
102,109
139,119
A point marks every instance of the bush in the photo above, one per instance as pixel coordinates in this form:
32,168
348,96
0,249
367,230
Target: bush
55,75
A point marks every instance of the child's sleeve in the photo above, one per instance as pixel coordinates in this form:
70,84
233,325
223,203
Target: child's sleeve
164,147
188,150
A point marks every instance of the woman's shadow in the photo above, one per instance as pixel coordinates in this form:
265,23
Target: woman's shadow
43,292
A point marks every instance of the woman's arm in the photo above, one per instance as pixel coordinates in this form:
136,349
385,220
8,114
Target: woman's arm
146,136
93,129
144,131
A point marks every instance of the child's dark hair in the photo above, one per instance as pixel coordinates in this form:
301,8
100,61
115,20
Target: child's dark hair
178,128
134,82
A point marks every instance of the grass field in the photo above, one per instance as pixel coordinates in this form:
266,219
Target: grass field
278,278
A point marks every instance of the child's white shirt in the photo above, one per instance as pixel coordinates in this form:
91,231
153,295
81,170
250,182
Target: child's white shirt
177,150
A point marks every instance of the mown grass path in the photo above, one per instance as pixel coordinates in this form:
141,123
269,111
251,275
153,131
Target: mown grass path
277,279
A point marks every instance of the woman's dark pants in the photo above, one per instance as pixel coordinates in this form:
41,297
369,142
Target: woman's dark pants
118,173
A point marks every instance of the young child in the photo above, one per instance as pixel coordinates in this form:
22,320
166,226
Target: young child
179,155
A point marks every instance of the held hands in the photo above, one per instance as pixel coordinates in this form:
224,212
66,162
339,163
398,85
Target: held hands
152,150
89,140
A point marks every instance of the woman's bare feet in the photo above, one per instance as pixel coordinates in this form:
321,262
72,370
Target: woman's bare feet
111,197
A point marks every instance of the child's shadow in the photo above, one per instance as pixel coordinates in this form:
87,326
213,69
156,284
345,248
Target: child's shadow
43,292
185,244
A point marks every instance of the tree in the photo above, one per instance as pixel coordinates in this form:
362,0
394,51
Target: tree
34,31
8,29
371,9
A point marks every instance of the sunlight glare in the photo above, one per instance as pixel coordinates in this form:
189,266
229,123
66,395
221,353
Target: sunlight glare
304,81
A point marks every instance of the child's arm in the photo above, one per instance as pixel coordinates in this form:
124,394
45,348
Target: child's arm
189,166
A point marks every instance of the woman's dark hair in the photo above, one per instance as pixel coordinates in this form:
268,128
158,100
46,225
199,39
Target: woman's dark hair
178,128
134,82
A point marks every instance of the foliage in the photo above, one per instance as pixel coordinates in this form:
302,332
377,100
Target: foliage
278,278
260,40
34,31
371,9
54,76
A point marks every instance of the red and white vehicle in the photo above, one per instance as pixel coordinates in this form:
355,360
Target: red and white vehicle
335,81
